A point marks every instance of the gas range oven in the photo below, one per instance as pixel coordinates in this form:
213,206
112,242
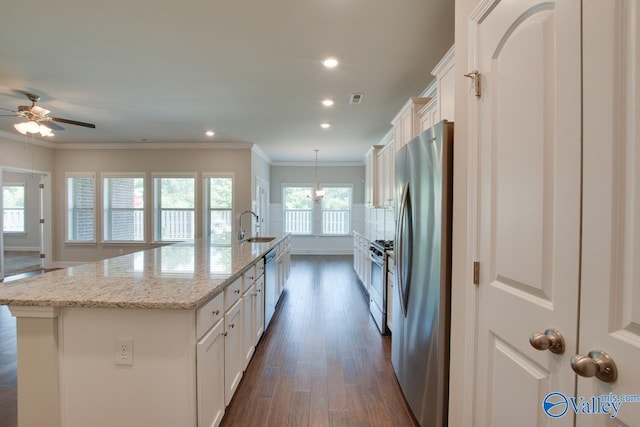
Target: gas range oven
378,282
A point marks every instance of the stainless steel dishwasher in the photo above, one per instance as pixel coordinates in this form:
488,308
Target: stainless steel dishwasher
269,286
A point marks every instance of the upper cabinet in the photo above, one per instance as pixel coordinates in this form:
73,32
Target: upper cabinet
417,115
371,177
386,175
406,124
441,92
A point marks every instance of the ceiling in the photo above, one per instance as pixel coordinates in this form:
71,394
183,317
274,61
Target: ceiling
162,71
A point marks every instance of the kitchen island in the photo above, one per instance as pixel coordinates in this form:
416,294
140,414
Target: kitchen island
153,338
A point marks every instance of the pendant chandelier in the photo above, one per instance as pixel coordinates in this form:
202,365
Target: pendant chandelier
318,193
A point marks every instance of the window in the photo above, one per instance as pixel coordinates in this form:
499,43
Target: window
333,210
298,209
336,211
14,211
123,208
174,208
219,205
81,208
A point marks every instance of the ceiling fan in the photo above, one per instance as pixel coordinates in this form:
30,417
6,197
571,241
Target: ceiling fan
35,115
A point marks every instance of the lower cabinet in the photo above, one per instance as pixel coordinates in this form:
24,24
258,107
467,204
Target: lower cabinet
248,339
258,310
233,357
390,291
210,377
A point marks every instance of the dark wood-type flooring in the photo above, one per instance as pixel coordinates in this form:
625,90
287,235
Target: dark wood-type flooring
322,361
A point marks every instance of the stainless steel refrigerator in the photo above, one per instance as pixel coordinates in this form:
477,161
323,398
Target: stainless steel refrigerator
421,310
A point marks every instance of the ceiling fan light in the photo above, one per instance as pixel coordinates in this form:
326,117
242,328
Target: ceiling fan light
45,130
21,127
32,126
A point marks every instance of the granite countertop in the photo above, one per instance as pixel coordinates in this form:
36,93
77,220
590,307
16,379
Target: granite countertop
180,276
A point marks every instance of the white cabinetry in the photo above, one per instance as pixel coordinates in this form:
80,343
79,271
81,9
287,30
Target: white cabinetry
371,197
361,259
390,291
406,124
386,175
210,362
283,266
233,352
210,382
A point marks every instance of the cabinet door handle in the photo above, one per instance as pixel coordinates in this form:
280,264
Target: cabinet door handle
215,312
237,291
224,334
231,325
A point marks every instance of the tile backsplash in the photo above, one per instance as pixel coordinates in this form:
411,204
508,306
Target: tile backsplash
379,223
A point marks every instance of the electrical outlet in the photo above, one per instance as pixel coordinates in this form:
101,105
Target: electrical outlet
124,351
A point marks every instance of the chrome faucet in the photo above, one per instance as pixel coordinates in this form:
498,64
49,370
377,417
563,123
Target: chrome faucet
240,230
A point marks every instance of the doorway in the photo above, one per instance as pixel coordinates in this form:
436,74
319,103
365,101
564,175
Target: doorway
25,221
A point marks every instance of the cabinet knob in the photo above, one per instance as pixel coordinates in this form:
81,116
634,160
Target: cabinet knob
232,325
224,334
237,291
215,312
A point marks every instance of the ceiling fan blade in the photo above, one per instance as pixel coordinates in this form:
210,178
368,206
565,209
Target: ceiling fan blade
54,126
39,111
73,122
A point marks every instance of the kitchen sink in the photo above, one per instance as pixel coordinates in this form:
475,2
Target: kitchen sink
260,239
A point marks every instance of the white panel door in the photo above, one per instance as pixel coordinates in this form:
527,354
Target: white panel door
610,289
528,223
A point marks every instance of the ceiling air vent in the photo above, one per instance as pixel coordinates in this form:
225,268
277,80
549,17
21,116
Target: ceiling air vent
356,98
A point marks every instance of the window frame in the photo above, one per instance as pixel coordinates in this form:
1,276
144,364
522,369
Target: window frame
134,175
155,200
24,208
206,208
312,220
79,175
322,210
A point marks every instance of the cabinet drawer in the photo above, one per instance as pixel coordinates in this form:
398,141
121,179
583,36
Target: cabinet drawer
208,315
248,277
232,293
259,268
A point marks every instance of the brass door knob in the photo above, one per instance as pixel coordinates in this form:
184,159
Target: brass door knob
596,364
551,340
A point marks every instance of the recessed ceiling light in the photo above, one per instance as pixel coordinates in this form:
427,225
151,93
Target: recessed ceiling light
327,102
325,125
210,133
330,62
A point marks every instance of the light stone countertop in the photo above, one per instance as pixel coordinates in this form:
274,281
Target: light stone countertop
179,276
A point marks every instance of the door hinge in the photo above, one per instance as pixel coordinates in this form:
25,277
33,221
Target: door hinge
41,186
475,75
42,256
476,272
41,221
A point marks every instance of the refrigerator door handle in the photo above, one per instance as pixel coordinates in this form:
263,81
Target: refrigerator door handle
404,231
